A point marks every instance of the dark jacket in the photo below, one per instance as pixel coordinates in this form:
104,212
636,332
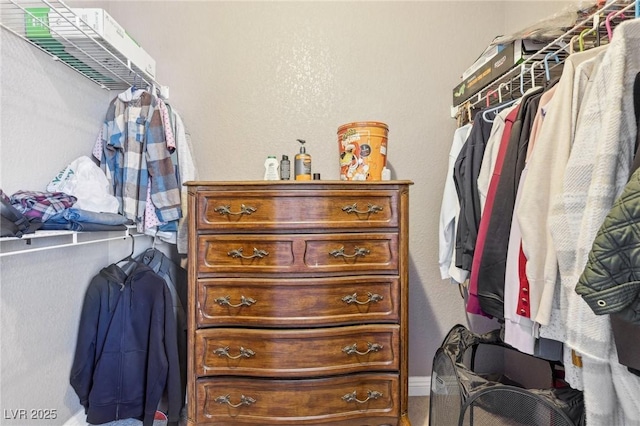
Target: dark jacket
465,177
610,282
126,354
176,278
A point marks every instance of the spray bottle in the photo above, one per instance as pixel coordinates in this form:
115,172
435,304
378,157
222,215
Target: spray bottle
302,163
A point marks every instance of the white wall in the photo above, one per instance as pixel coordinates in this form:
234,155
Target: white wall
251,77
248,78
49,116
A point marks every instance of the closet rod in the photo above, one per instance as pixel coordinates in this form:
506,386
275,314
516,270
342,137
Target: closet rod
74,240
559,48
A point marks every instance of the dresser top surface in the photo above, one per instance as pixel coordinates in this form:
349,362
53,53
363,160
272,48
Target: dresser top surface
298,183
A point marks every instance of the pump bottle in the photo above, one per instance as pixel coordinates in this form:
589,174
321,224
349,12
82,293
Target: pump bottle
302,163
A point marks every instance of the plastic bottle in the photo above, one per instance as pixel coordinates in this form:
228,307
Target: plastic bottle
285,168
271,168
302,163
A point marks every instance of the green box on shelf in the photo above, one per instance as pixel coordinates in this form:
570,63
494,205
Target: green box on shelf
37,29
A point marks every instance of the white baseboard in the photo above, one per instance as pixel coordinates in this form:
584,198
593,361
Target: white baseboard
419,385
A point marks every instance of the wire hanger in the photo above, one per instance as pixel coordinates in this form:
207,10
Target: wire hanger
129,257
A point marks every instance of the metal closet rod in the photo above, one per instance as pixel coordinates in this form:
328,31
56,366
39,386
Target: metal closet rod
561,46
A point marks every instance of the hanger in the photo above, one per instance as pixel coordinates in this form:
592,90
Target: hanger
129,257
134,87
607,24
496,108
587,31
572,50
488,97
522,70
581,37
500,86
547,71
533,75
610,16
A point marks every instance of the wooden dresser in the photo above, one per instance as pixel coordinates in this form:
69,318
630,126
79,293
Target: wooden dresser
298,303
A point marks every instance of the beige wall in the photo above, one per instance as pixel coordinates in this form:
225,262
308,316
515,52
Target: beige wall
248,78
251,77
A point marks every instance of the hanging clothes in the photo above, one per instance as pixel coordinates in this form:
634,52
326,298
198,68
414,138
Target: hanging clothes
135,157
491,154
176,279
126,355
545,170
473,303
465,175
449,212
187,172
492,262
521,331
596,173
557,249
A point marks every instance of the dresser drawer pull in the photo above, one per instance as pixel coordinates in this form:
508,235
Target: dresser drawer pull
226,210
353,298
226,399
371,208
237,253
358,251
244,301
353,397
353,349
244,353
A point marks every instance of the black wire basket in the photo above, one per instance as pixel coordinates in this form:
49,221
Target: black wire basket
465,393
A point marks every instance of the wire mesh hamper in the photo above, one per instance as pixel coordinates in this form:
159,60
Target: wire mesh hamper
461,396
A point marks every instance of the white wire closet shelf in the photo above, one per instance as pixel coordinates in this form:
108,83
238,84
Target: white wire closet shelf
47,240
587,33
57,30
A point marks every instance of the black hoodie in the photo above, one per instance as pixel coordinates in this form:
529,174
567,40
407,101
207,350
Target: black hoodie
126,354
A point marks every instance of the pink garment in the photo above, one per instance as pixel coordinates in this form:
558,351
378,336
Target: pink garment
166,123
151,219
97,147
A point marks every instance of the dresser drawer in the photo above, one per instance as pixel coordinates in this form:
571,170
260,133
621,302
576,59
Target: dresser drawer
299,302
298,253
296,353
368,399
294,210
